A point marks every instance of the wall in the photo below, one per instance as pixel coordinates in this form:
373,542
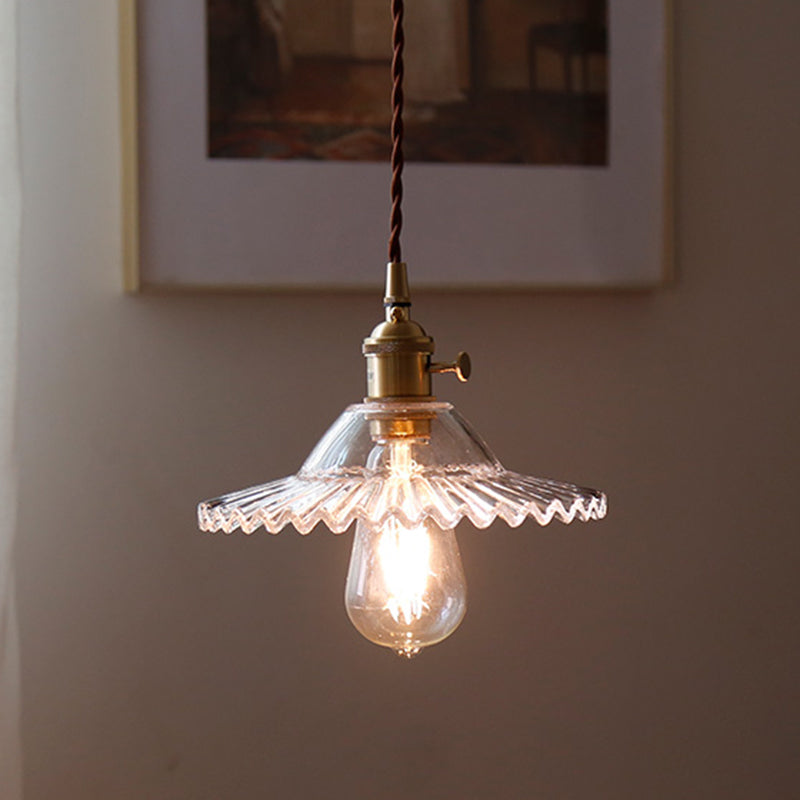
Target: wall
653,655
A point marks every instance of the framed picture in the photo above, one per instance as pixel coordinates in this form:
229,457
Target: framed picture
256,143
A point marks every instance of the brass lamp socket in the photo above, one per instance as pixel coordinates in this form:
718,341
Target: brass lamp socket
398,351
398,354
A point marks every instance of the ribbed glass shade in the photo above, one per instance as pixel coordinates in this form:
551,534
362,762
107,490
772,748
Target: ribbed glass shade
410,462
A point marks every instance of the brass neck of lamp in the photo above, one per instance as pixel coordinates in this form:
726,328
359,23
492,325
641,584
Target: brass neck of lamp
398,351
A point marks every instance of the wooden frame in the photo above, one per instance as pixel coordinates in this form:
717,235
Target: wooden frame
322,226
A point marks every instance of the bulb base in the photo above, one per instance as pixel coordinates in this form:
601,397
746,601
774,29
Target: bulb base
405,424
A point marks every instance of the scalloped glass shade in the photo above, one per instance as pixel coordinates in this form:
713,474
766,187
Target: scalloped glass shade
409,462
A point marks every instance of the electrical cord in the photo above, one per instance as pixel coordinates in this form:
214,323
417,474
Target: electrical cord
398,43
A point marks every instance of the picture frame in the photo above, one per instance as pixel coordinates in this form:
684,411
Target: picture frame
200,224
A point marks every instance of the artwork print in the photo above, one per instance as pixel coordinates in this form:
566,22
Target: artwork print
487,81
256,141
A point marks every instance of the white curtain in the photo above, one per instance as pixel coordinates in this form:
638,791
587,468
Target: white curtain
10,213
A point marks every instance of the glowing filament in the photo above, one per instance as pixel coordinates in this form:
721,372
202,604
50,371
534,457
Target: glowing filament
404,555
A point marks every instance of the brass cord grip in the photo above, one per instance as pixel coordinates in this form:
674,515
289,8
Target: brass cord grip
398,351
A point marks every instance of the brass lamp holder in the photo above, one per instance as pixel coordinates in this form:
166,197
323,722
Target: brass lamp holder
398,351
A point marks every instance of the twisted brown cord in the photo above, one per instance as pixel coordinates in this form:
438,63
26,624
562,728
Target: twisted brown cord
398,41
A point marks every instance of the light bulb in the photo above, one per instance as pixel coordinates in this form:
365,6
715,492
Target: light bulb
405,585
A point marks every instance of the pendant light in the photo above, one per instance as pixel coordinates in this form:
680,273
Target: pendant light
403,466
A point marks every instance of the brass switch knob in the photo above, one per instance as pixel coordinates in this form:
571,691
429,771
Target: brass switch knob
462,367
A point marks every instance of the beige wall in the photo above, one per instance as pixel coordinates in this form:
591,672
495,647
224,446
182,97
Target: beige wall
651,656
